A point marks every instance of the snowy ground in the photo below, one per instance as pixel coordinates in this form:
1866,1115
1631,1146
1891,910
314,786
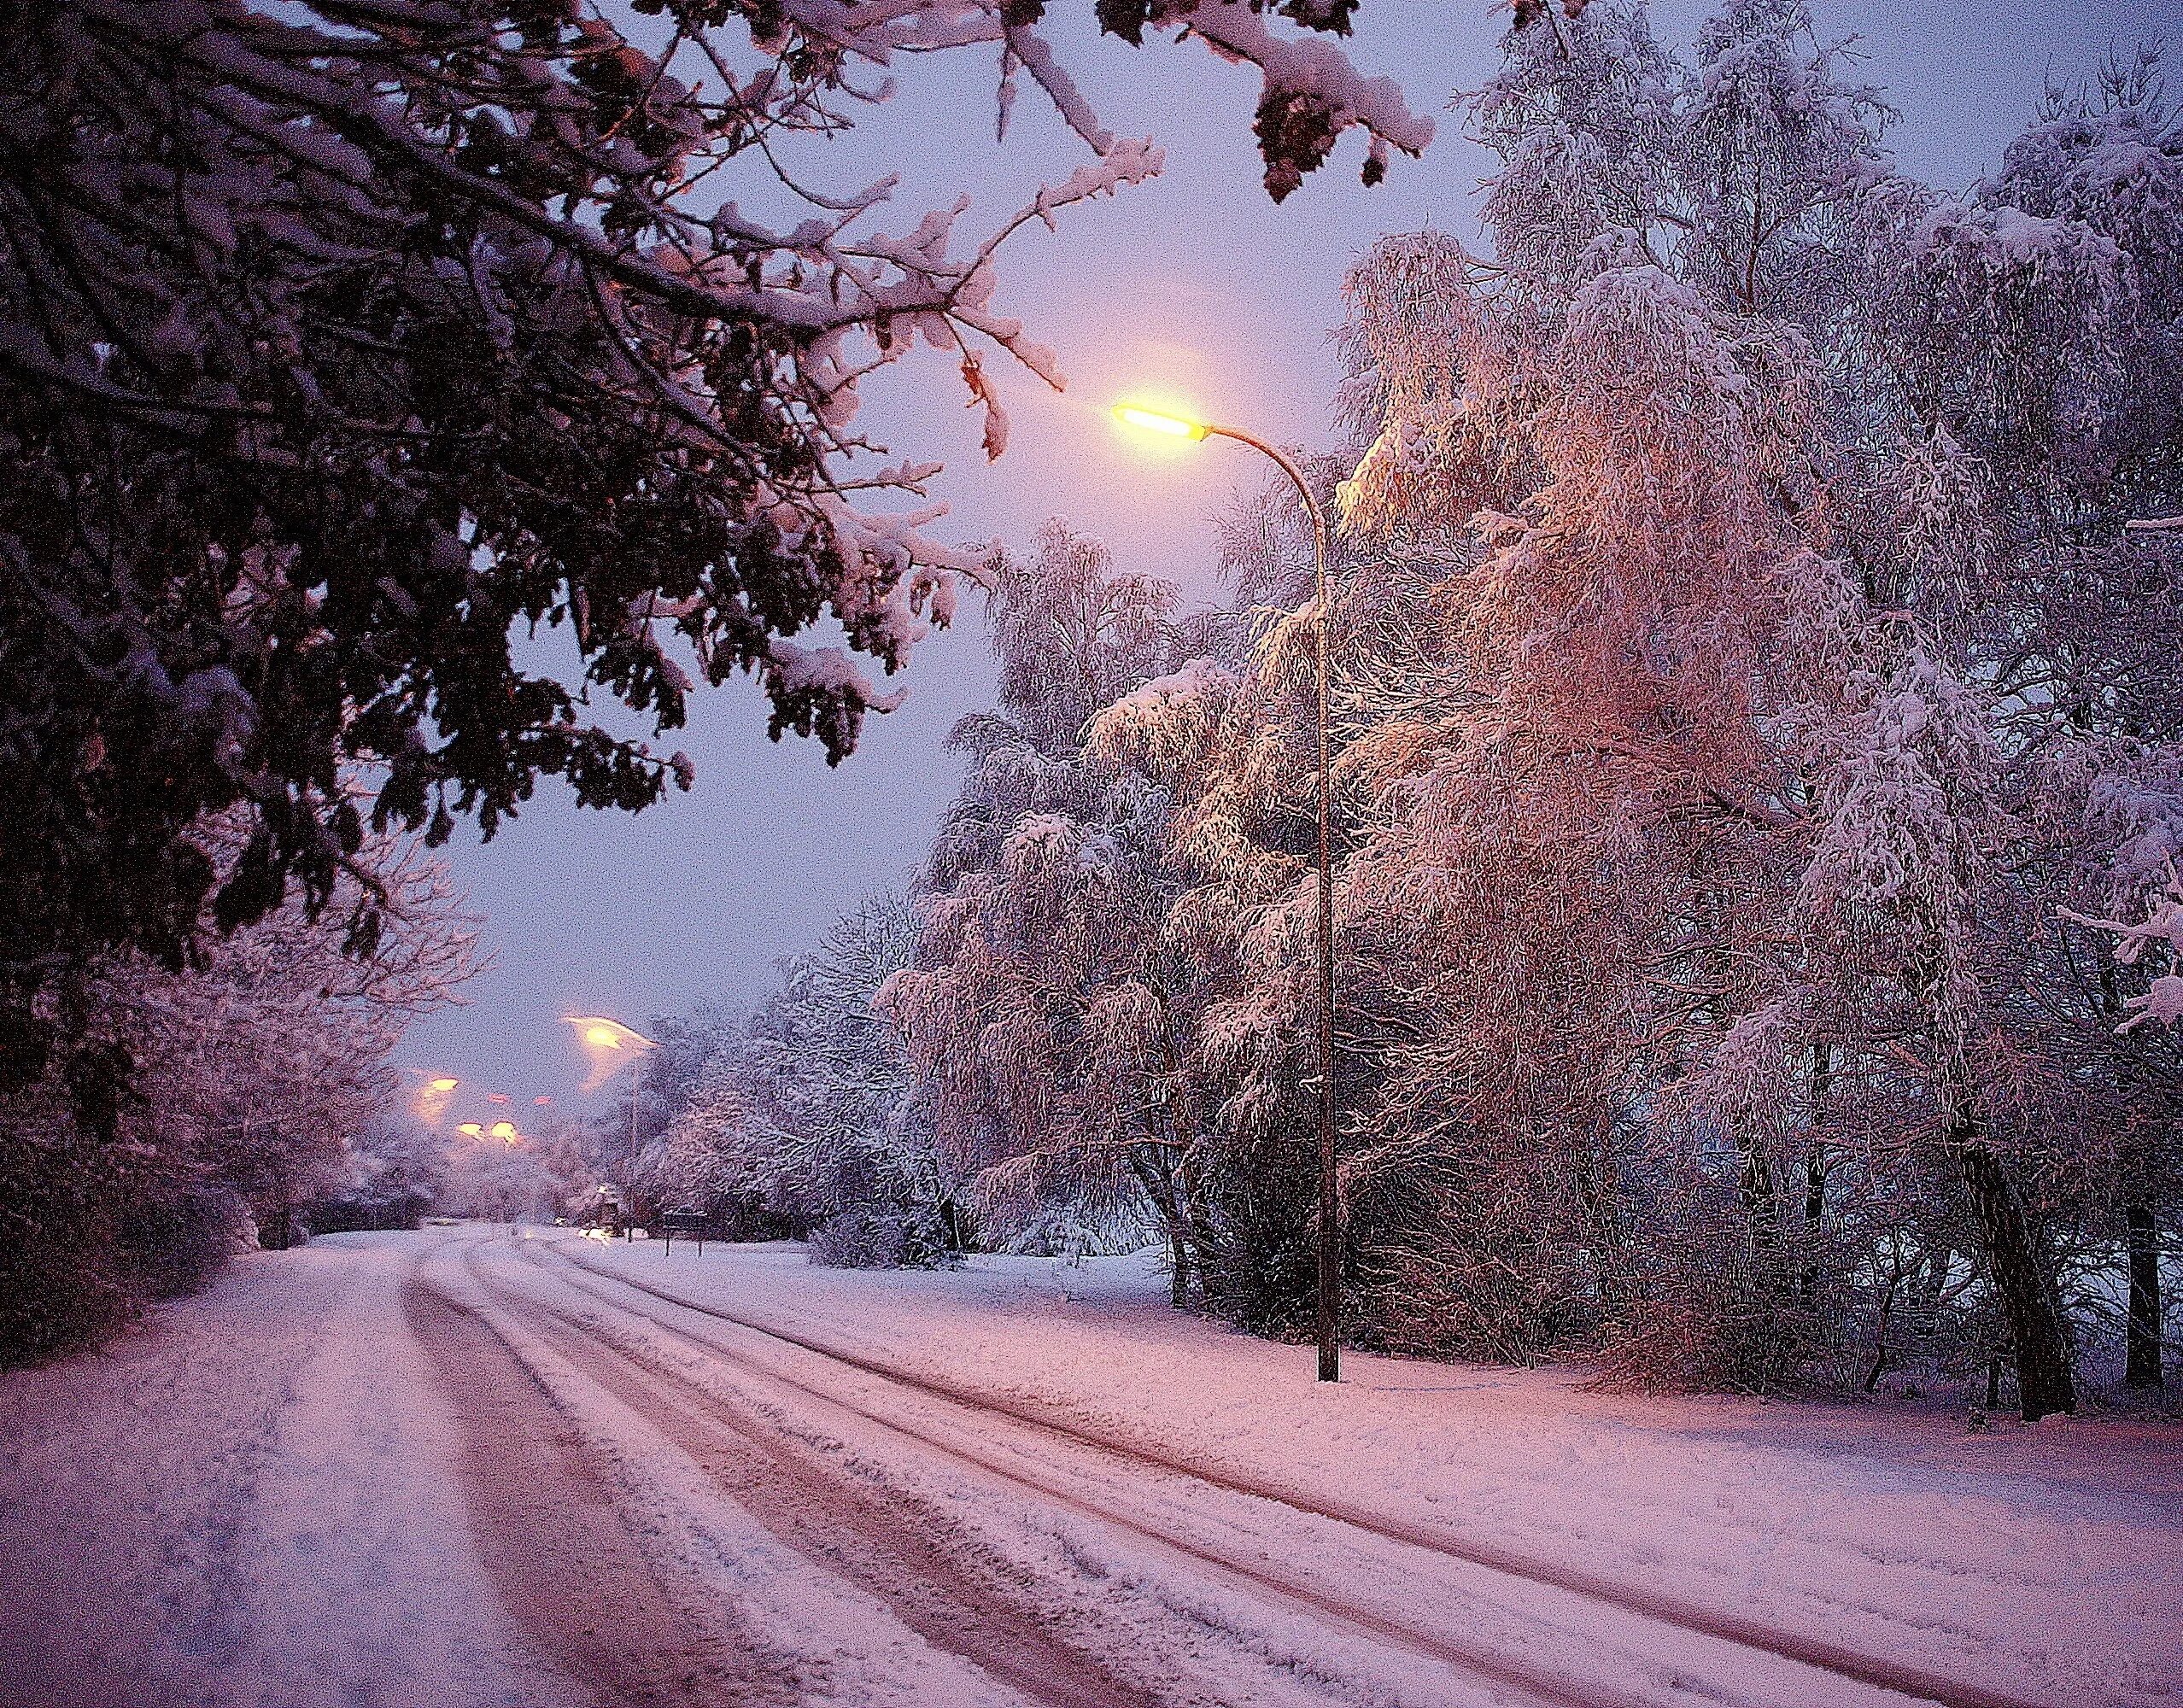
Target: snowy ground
459,1468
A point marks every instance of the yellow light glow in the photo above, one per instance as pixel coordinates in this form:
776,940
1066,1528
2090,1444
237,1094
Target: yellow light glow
1159,421
505,1130
444,1084
613,1047
470,1129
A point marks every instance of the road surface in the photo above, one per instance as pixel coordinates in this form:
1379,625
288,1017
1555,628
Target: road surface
464,1468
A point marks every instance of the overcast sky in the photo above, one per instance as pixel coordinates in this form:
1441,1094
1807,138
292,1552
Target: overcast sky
1195,285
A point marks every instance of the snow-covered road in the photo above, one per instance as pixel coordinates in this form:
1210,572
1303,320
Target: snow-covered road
462,1468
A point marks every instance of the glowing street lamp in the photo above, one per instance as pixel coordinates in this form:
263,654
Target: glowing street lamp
605,1041
1159,421
433,1092
505,1132
470,1130
1168,424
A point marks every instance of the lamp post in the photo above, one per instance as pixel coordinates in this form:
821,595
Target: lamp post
601,1038
1329,1234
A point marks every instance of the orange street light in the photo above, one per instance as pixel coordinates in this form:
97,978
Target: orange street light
503,1129
470,1130
1330,1237
444,1084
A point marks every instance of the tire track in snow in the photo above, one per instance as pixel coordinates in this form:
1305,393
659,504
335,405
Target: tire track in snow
1482,1665
1818,1655
534,1498
842,1528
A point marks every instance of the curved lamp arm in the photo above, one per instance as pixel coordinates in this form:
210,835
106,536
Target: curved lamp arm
1303,491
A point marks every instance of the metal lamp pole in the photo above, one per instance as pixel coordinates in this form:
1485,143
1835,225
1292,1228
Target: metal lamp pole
629,1163
1330,1230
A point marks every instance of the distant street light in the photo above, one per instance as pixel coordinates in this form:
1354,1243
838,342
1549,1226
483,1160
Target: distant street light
1174,426
470,1130
433,1092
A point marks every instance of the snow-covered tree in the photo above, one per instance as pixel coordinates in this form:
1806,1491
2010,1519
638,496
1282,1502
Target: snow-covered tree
1800,671
396,1171
1598,443
259,1080
2053,287
802,1116
1039,1011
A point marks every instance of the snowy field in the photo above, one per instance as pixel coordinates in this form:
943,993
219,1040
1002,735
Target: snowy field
457,1467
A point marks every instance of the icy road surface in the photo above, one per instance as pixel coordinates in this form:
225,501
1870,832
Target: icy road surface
461,1468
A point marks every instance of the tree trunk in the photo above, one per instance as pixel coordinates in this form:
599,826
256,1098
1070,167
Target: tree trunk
1185,1234
2141,1330
1755,1187
1879,1351
2044,1382
1158,1181
1815,1174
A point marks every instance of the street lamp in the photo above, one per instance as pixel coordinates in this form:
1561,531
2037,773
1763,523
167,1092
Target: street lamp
603,1039
1174,426
433,1092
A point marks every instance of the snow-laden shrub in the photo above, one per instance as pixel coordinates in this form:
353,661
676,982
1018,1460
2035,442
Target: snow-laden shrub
882,1236
353,1214
62,1285
174,1243
1468,1256
1701,1304
1256,1233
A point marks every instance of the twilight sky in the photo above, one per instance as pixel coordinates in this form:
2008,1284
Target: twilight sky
1195,286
